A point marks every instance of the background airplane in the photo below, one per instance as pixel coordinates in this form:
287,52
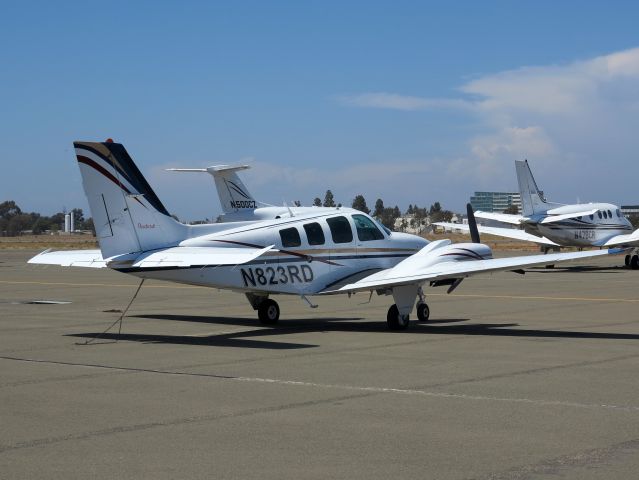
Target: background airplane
554,225
341,251
237,202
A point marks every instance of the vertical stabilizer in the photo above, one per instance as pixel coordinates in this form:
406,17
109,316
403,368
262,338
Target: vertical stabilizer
532,199
234,196
127,214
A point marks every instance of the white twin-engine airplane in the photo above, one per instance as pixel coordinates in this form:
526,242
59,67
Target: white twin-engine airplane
238,204
341,251
553,225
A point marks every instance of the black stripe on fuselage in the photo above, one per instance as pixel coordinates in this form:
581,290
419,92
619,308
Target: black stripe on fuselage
260,261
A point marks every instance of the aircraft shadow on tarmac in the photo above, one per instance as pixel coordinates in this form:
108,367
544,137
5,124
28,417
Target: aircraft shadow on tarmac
257,338
577,269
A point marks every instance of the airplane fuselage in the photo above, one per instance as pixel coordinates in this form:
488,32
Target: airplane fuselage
583,231
312,253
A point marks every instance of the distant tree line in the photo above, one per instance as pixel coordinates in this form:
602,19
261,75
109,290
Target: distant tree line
13,221
416,217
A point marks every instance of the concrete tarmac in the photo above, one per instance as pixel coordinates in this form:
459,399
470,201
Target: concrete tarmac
515,377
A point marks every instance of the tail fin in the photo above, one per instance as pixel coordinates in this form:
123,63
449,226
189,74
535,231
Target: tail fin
234,196
127,214
532,199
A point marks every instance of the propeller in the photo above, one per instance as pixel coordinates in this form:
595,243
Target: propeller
472,224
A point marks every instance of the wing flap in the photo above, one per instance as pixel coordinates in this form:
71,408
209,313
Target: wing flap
393,277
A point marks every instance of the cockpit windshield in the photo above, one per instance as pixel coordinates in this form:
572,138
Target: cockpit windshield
381,225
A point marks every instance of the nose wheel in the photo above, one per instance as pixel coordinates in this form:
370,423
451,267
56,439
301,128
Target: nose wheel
395,320
423,312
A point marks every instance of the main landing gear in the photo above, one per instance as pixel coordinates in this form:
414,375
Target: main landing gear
268,311
396,321
632,260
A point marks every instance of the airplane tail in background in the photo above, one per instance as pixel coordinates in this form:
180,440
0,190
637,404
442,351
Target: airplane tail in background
532,199
127,214
234,196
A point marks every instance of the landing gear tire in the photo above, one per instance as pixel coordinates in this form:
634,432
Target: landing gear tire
627,260
423,312
634,262
395,320
268,312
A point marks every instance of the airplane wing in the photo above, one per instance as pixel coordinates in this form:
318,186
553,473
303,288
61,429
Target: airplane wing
70,258
501,232
629,240
501,217
566,216
394,277
168,257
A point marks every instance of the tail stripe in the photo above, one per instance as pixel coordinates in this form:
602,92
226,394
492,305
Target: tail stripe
239,190
122,163
102,170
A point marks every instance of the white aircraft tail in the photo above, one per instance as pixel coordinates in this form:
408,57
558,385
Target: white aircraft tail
234,196
127,214
532,199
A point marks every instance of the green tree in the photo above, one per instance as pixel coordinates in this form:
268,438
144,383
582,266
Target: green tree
379,208
329,201
317,202
359,203
9,209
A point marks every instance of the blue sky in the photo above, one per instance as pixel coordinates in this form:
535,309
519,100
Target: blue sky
413,102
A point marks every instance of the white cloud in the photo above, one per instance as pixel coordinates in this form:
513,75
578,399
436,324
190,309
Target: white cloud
576,120
395,101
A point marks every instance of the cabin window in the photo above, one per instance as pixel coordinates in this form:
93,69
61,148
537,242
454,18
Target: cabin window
609,214
340,229
290,237
599,213
314,233
366,229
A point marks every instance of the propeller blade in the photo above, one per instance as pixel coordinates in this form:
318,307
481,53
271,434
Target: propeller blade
472,224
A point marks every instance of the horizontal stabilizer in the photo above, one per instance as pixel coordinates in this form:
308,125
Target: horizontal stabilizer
70,258
501,232
194,256
500,217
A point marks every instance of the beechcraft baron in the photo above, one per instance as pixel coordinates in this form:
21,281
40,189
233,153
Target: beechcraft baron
238,204
554,225
341,251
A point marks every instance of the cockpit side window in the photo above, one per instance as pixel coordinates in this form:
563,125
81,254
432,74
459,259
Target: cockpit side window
340,229
314,233
290,237
599,213
592,216
366,229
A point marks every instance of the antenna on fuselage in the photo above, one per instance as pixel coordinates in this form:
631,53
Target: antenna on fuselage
472,224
